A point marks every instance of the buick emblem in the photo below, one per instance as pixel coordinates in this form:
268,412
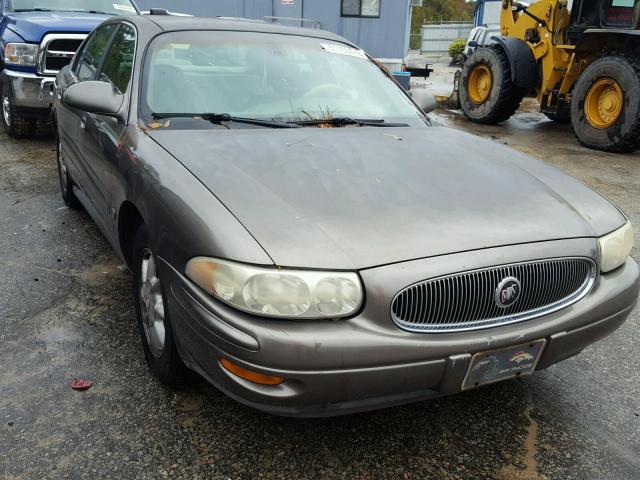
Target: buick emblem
508,292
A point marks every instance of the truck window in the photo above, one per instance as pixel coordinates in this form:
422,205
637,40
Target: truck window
91,55
118,62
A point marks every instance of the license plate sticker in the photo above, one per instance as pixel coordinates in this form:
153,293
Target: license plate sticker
497,365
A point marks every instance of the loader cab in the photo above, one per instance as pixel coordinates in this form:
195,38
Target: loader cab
607,14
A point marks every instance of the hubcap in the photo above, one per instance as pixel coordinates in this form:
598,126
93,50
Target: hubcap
480,84
152,304
62,166
6,110
603,104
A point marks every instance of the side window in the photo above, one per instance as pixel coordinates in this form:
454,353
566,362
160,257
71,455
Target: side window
89,60
118,62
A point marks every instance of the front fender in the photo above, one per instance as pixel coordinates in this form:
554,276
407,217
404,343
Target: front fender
182,217
524,70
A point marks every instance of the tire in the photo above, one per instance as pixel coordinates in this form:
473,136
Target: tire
66,182
162,357
615,79
496,98
15,124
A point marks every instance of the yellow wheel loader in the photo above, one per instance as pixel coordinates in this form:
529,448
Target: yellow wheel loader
581,61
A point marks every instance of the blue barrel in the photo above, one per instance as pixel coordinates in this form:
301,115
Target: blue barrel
403,78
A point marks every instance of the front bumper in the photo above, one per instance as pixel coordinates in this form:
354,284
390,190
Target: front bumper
33,94
364,363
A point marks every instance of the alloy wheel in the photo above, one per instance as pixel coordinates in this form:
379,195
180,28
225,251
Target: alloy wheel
62,169
6,109
152,304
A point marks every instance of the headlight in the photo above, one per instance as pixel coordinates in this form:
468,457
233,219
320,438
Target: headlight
615,248
21,53
277,292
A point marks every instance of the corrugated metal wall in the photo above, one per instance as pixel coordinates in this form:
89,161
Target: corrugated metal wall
213,8
437,38
384,37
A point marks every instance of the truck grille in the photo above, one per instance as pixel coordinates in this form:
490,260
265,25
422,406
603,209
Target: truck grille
467,301
57,50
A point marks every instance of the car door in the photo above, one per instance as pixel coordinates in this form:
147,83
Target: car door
102,133
72,122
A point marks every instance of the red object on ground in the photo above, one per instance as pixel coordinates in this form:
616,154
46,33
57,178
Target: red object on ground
81,384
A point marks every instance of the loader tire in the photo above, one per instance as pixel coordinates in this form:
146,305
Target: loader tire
487,93
605,108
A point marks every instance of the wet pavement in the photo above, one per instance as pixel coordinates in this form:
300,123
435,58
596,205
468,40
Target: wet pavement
66,313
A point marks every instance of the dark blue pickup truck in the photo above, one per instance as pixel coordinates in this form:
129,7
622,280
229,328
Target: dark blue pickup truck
37,39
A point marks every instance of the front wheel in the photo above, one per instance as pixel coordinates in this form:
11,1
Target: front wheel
15,124
487,92
605,108
154,324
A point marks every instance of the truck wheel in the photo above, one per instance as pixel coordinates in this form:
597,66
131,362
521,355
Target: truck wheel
152,311
605,108
15,124
487,93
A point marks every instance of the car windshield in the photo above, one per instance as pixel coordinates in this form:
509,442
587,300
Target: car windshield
272,77
110,7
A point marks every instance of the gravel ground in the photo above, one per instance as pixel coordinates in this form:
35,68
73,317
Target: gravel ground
66,313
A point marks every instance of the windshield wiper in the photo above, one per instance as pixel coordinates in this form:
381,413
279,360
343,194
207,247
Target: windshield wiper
220,118
345,121
95,12
39,9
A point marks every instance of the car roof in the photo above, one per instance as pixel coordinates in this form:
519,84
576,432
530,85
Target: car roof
172,23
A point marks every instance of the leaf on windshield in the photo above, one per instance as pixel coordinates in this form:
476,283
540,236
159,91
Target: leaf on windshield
159,124
325,114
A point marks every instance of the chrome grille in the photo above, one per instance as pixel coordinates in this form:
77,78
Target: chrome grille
57,51
466,301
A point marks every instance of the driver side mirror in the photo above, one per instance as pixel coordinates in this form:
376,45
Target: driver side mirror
94,97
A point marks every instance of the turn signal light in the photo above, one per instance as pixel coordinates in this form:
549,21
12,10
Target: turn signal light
254,377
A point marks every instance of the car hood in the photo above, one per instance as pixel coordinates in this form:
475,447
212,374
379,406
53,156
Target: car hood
33,26
353,198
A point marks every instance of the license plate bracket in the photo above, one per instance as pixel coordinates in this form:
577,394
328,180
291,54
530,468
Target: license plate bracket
502,364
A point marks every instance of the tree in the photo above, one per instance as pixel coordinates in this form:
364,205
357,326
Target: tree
442,10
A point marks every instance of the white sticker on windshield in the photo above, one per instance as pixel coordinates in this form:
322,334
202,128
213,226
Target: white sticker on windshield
343,50
124,8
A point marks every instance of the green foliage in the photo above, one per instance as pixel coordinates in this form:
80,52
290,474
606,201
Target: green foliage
442,10
457,47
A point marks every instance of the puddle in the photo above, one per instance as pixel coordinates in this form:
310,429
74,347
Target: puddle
531,451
